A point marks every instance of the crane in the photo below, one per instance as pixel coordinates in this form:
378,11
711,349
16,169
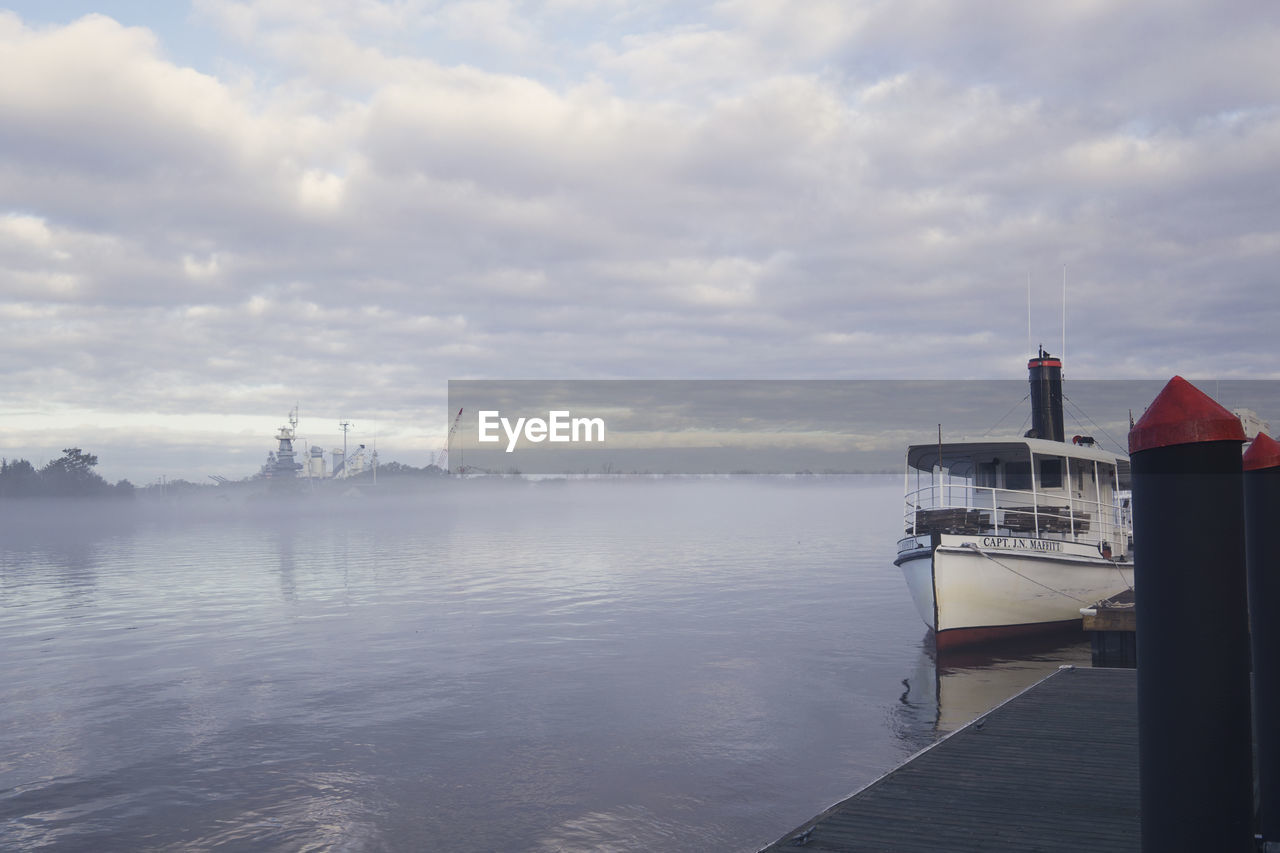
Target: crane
444,451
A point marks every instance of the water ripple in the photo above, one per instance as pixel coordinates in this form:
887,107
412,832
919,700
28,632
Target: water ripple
589,667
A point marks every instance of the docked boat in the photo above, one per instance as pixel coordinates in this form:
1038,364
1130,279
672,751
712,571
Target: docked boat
1013,536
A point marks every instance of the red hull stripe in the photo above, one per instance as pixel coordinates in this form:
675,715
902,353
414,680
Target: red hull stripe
953,638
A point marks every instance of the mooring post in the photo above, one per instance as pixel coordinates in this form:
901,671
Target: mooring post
1262,559
1195,765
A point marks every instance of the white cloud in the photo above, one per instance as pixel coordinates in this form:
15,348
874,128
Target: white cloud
21,231
320,191
490,22
200,269
748,188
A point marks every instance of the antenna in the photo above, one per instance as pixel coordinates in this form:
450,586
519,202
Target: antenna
344,426
1062,354
1028,310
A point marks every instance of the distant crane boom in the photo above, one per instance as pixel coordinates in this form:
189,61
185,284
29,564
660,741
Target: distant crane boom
444,451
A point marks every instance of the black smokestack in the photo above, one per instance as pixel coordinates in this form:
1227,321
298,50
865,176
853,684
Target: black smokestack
1046,397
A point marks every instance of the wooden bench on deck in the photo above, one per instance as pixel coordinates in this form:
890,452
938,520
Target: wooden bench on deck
952,520
1053,519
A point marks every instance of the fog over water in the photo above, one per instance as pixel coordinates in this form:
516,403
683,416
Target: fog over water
511,666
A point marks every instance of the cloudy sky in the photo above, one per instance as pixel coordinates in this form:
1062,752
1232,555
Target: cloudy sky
213,210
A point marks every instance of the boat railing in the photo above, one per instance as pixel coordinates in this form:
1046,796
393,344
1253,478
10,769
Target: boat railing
965,508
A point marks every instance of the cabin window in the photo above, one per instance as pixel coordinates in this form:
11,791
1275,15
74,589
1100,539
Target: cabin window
986,475
1017,476
1050,472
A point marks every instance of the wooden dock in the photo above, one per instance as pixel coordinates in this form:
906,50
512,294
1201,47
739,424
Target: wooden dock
1055,768
1113,626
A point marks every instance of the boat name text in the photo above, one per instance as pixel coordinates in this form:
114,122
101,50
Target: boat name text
1014,543
559,426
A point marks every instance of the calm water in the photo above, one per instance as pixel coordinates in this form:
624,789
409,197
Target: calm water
583,666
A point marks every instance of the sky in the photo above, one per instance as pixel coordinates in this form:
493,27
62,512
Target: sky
213,211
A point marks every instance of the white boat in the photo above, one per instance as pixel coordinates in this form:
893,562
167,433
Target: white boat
1013,536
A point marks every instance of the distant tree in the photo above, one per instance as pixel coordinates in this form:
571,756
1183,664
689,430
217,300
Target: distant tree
72,475
18,479
399,469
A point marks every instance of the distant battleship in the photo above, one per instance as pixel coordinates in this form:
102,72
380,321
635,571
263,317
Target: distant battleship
282,465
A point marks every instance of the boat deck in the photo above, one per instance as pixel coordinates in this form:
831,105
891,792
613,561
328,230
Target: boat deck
1053,769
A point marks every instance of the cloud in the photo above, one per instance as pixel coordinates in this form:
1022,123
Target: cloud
375,197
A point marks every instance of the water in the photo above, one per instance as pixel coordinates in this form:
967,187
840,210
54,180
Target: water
582,666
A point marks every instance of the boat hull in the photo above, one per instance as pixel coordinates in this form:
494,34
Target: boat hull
975,589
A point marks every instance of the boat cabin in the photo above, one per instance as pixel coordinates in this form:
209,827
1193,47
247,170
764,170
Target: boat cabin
1026,487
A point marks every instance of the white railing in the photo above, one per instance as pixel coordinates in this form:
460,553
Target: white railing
960,507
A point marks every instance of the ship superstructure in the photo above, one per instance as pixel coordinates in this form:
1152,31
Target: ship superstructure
283,465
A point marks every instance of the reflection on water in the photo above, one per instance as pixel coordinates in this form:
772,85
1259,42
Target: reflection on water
583,667
949,689
286,536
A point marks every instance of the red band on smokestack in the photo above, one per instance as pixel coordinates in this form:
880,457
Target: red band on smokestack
1263,453
1183,414
1044,362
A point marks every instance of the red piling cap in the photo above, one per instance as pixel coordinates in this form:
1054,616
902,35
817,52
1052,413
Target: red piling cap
1263,453
1183,414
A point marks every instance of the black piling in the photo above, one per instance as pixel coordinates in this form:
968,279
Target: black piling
1262,558
1195,762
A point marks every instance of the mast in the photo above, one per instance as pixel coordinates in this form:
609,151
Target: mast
1063,352
345,426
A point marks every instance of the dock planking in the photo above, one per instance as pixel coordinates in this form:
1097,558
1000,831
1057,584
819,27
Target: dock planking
1055,768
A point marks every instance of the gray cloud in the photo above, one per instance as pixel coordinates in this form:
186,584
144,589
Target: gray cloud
360,203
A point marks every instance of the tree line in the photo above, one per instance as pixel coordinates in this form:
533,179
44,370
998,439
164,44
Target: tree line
70,476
